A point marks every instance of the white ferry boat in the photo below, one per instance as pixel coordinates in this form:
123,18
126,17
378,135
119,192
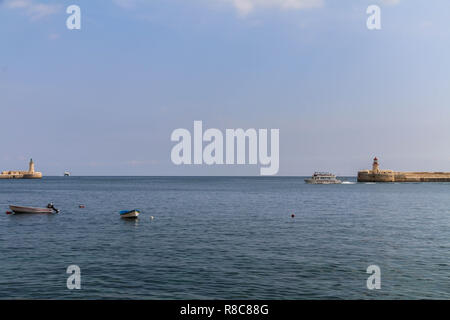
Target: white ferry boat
323,178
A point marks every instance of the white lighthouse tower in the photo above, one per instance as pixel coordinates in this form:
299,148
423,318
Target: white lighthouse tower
31,166
375,167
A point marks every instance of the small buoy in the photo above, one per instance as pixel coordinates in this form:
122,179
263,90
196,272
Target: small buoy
292,215
81,206
8,212
152,217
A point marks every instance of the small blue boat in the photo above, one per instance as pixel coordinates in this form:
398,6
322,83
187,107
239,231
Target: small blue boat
129,214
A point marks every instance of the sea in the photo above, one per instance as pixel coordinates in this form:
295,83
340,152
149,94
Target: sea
225,238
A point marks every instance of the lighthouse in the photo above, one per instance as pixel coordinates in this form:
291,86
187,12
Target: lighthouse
31,167
16,174
375,167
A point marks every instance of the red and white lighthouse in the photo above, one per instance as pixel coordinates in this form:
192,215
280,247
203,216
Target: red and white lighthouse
375,167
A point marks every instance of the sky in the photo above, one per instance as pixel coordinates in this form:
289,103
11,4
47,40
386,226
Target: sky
105,99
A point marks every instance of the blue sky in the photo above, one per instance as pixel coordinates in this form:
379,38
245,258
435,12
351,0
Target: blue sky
104,100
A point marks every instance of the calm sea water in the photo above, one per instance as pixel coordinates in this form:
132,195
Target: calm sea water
225,237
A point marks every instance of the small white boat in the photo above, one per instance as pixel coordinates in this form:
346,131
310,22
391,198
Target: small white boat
323,178
19,209
66,174
127,214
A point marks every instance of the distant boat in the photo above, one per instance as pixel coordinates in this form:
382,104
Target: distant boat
129,214
66,174
323,178
19,209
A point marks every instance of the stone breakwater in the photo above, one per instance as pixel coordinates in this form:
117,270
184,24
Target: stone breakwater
393,176
377,175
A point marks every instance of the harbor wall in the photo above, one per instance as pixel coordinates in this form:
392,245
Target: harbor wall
35,175
397,176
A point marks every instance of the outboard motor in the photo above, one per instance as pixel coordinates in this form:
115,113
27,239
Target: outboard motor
51,206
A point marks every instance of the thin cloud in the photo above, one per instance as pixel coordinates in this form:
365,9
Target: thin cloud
244,7
31,8
127,4
390,2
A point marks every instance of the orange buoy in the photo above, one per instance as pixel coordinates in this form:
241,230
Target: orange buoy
81,206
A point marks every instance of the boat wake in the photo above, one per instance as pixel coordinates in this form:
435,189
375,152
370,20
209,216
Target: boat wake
348,182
